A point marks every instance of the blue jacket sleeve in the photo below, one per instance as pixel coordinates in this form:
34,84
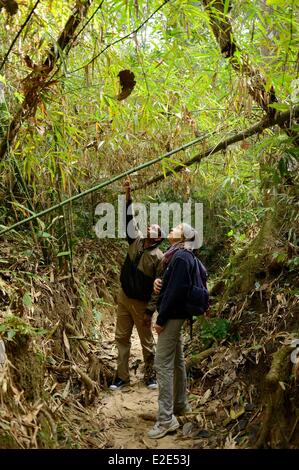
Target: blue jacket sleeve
176,290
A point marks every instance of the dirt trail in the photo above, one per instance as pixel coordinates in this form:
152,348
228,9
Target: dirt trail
130,413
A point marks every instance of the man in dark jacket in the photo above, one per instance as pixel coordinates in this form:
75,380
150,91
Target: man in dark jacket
134,304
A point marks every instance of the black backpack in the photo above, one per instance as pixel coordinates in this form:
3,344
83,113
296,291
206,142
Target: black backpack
198,296
135,284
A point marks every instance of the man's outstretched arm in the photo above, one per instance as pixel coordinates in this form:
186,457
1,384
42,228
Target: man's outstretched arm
131,230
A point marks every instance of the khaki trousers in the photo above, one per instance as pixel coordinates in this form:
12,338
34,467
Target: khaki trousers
171,371
130,312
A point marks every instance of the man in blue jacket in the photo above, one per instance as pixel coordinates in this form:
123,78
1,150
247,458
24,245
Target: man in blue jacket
179,275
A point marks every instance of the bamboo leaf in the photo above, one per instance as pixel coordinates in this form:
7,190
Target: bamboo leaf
66,341
279,106
63,253
237,412
27,301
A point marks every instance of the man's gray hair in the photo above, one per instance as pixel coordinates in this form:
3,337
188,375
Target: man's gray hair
192,240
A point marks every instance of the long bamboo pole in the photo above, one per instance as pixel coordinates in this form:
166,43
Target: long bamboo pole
105,183
280,119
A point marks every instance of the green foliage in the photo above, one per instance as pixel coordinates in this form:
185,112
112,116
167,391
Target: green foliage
12,326
80,133
293,264
214,330
27,301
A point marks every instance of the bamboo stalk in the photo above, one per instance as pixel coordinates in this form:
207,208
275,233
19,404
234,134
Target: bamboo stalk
17,35
280,119
274,396
86,379
256,82
280,361
74,332
102,185
89,20
222,29
129,35
198,358
37,79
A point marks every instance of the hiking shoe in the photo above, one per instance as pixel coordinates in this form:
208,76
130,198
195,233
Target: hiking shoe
151,383
161,429
118,384
182,411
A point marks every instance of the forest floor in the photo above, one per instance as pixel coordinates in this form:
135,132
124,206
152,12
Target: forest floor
51,404
131,412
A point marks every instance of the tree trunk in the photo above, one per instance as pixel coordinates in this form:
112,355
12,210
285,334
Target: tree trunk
222,29
39,78
280,119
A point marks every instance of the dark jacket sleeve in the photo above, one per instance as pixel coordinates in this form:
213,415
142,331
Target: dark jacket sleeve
176,290
130,222
151,306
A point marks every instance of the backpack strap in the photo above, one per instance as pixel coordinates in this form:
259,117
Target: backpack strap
138,257
201,269
193,270
140,253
